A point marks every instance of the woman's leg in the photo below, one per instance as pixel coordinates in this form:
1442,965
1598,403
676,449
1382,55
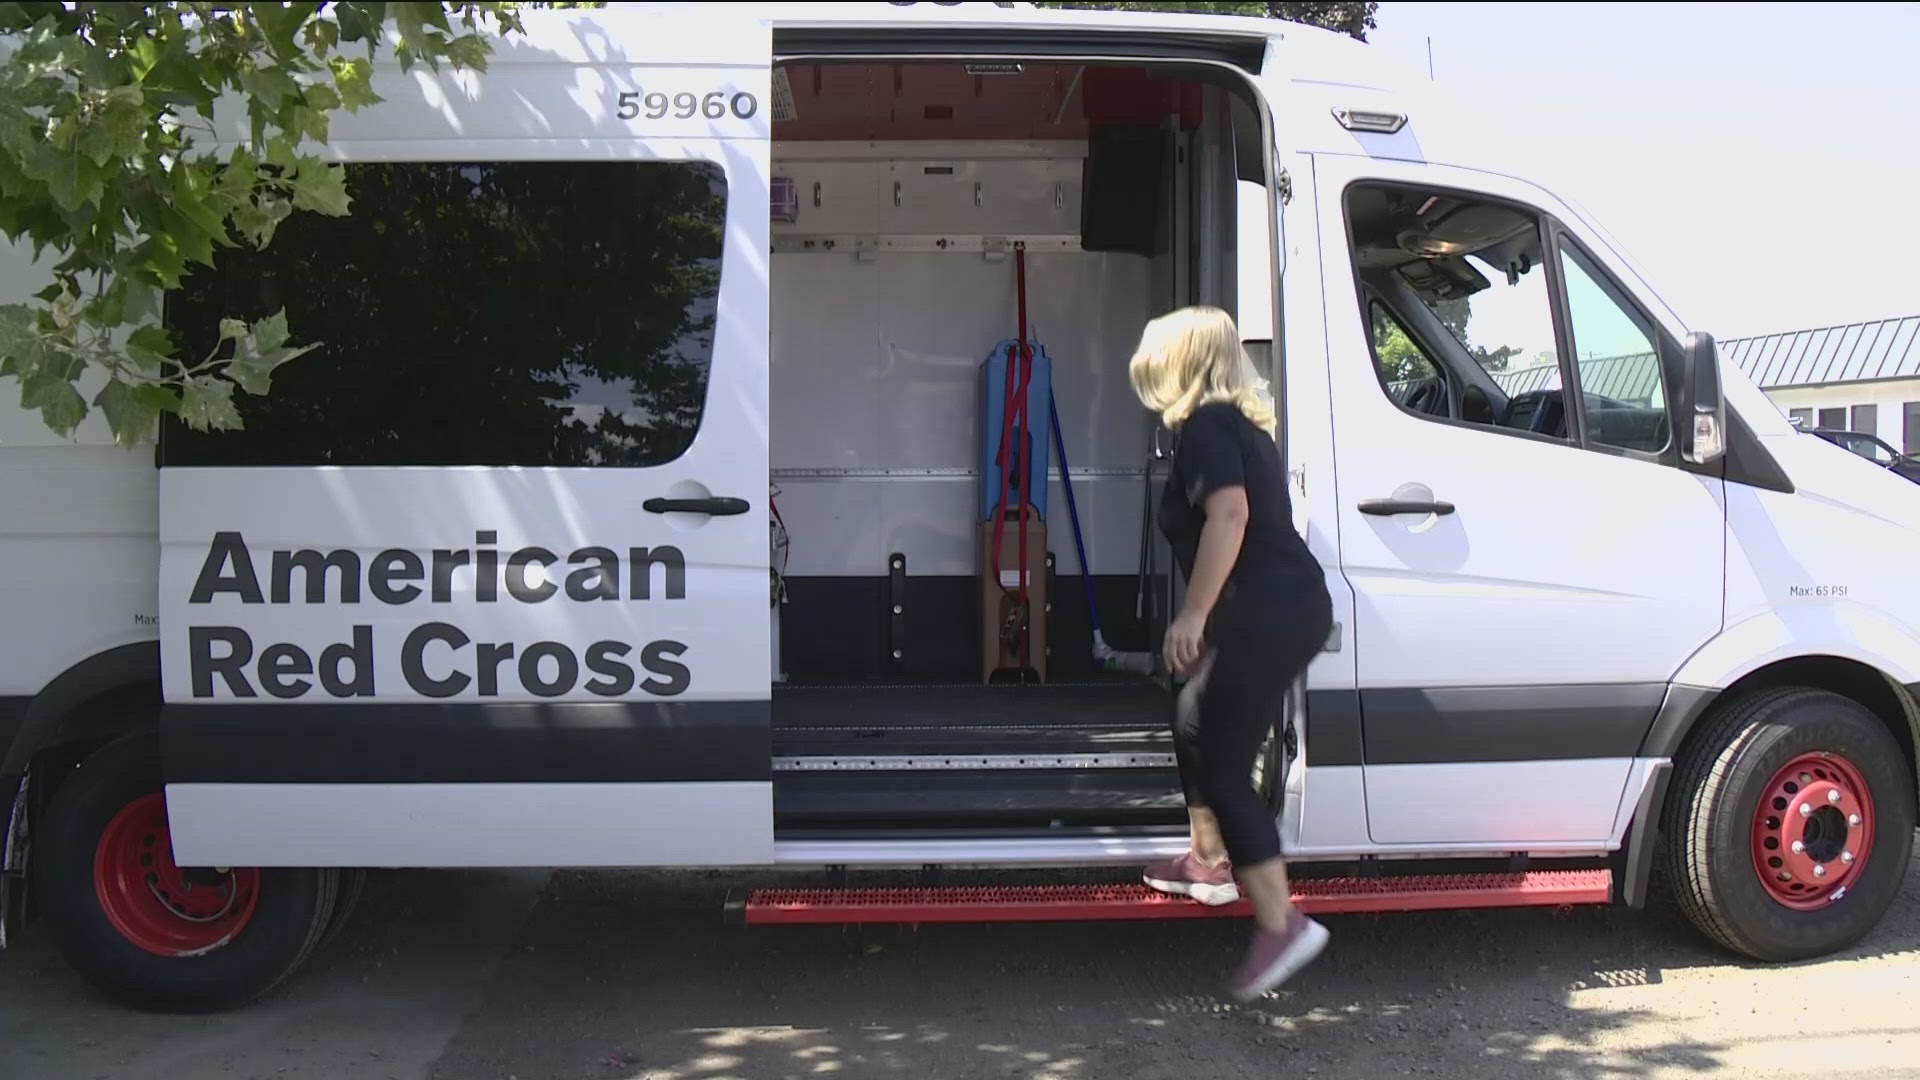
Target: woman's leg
1237,708
1252,674
1203,872
1203,827
1203,836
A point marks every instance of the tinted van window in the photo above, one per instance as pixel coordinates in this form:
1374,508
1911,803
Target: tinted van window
521,313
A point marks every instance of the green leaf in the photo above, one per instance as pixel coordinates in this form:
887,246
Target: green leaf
270,86
469,51
107,310
258,219
160,261
321,98
354,80
322,36
357,22
149,348
157,396
142,303
242,162
180,76
145,53
71,179
232,328
233,183
280,152
281,25
270,333
206,404
263,349
21,347
130,418
194,243
321,187
409,20
117,129
193,198
305,124
61,406
100,67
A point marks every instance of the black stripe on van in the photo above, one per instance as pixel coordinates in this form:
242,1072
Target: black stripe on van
1506,723
468,742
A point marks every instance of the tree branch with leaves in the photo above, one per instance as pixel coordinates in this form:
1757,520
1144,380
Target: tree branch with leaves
112,170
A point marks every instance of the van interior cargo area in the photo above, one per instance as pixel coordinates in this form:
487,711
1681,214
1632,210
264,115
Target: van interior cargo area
919,210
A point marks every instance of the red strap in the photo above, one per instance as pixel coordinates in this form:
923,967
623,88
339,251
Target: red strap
1026,442
1013,418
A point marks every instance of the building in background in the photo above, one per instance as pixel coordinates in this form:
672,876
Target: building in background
1860,377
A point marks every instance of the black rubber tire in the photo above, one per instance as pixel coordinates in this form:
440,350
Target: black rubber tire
292,911
1717,786
353,884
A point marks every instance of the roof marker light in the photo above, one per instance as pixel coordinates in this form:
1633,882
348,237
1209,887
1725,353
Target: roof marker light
1370,120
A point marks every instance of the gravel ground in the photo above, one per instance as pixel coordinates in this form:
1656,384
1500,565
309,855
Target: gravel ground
634,976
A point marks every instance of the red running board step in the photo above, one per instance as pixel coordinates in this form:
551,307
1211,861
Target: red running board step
1078,903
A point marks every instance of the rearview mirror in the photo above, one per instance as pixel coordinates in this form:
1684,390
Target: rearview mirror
1706,418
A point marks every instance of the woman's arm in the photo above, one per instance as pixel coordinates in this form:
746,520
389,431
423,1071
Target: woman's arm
1220,541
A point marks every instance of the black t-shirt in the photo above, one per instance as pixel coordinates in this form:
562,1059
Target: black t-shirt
1218,448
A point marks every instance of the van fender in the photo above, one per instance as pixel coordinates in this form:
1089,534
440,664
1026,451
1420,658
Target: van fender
1843,629
127,665
133,664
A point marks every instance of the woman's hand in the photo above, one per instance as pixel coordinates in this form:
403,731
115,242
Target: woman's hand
1186,640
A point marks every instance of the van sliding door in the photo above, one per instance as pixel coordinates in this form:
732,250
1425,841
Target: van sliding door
483,582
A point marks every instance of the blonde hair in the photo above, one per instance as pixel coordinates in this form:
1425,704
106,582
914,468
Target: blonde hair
1192,357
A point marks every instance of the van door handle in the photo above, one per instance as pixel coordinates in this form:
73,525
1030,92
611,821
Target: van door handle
1389,507
717,505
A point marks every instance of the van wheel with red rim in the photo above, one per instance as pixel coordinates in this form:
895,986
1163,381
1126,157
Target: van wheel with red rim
146,931
1790,823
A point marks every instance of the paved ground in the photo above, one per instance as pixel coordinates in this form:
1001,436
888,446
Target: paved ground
632,976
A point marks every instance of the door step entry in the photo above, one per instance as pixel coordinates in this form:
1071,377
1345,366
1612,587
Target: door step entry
1082,903
891,800
944,762
905,757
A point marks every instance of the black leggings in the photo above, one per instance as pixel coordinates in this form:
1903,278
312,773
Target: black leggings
1226,710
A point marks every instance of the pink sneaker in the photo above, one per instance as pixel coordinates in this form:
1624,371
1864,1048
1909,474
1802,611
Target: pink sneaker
1274,958
1188,876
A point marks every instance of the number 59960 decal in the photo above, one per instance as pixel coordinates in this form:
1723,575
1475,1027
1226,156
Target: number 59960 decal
685,105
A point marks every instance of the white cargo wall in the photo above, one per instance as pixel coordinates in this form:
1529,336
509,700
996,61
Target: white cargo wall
79,534
876,357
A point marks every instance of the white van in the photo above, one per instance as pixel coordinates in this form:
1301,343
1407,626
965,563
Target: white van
487,580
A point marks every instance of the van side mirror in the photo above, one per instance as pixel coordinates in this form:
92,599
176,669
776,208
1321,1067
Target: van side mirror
1706,421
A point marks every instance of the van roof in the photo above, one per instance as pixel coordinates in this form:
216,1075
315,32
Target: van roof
586,35
1326,70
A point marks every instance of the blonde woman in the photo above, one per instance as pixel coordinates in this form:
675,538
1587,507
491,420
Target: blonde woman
1256,612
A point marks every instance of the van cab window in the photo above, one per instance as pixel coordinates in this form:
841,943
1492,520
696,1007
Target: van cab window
1466,282
507,313
1620,381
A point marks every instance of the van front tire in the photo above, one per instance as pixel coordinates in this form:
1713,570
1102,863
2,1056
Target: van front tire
1790,825
145,932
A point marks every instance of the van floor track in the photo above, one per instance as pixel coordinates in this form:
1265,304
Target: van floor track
818,728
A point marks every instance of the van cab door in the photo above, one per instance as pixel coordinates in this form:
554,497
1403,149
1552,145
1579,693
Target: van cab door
484,580
1530,560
